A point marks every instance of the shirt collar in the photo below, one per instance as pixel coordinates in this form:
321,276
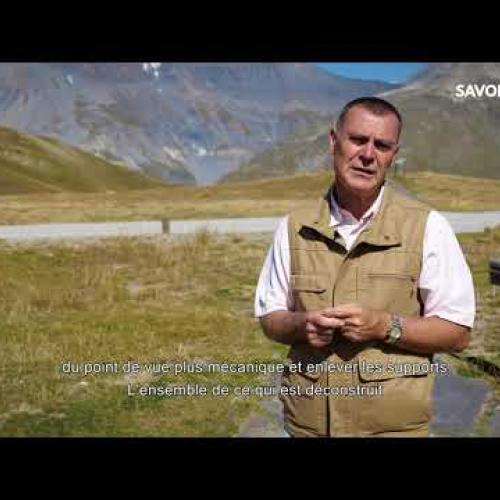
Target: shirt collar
339,215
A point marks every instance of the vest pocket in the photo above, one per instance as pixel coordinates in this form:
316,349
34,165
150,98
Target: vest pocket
389,291
390,276
405,401
310,292
305,414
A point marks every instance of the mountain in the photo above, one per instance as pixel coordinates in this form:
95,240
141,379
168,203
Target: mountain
30,164
181,122
446,133
441,131
304,151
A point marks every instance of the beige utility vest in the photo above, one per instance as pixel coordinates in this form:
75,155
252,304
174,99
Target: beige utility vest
373,388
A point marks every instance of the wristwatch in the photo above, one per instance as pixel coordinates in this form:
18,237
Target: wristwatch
395,331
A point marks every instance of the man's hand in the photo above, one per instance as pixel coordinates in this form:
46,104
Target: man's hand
320,328
360,323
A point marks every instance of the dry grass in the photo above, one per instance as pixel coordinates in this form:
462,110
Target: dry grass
479,248
261,198
454,192
153,299
268,197
122,300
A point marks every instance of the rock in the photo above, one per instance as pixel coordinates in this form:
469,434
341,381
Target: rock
457,402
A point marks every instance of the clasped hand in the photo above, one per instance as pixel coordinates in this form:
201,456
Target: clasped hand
353,321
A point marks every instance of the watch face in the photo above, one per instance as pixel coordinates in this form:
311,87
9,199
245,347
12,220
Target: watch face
395,330
396,333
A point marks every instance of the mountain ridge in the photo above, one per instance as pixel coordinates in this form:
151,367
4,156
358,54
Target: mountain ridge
441,132
181,122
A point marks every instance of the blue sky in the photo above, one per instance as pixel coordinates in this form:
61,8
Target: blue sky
388,72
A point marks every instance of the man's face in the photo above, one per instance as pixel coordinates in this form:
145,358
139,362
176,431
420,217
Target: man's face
363,150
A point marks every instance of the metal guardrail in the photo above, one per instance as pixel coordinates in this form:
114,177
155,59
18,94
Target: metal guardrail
137,228
495,271
80,230
459,221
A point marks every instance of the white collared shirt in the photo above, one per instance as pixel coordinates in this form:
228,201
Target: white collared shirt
445,281
346,224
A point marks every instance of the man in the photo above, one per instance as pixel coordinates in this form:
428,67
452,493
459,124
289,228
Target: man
365,287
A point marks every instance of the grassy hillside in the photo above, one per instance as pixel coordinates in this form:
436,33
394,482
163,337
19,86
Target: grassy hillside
441,132
260,198
30,164
453,192
439,135
449,137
